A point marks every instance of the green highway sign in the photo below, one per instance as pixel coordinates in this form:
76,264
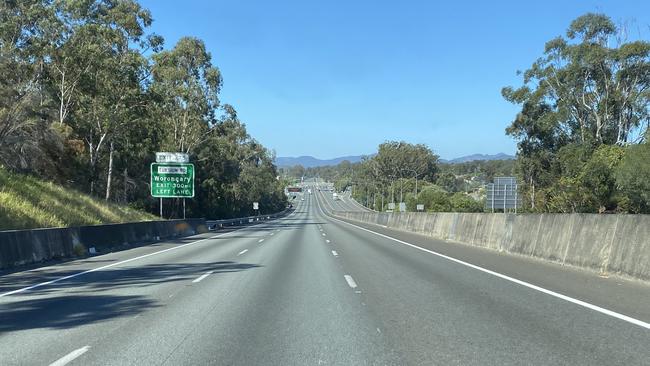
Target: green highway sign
172,180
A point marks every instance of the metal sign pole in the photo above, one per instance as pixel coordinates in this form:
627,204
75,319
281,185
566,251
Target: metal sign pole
183,208
493,192
161,216
516,200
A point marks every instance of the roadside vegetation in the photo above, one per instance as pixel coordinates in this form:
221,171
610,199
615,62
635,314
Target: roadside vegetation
582,131
88,95
27,202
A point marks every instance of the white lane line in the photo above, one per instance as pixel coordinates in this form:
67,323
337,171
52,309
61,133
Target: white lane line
202,277
323,234
109,266
334,253
350,281
242,252
70,356
514,280
327,241
17,291
272,234
261,240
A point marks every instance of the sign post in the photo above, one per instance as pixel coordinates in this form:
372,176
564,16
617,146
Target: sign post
168,157
256,208
502,194
172,180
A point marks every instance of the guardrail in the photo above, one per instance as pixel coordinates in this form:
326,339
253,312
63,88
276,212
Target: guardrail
217,224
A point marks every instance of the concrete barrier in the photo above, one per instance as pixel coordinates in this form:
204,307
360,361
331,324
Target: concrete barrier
21,247
617,244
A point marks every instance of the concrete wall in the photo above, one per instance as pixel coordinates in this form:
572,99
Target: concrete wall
618,244
20,247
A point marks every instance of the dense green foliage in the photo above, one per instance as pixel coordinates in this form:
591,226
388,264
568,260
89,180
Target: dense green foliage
27,202
88,95
582,127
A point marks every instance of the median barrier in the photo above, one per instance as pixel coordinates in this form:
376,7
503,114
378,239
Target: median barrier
22,247
216,224
616,244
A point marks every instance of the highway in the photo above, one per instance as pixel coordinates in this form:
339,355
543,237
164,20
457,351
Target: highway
309,289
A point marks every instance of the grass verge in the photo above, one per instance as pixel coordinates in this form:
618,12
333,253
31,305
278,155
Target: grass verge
27,203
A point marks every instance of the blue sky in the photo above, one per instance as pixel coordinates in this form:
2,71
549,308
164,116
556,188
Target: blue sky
334,78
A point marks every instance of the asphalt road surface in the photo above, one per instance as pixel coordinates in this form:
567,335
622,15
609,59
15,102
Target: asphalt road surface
309,289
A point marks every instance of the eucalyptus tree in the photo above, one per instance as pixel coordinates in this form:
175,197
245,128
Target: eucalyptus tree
399,160
589,88
97,72
188,86
25,134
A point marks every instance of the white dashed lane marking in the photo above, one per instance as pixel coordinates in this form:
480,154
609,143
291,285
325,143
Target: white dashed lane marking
202,277
350,281
70,356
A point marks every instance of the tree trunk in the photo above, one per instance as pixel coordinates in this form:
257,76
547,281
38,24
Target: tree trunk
126,178
532,193
110,172
93,151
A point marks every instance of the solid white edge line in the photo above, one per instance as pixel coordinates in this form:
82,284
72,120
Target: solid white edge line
242,252
261,240
350,281
115,264
202,277
507,278
70,356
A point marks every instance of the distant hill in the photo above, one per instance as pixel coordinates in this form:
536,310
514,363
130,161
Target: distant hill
464,159
310,161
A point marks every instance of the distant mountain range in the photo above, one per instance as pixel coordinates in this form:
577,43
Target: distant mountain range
464,159
310,161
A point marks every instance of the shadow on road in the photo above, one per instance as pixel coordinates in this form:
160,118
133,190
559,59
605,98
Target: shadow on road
79,301
115,278
63,312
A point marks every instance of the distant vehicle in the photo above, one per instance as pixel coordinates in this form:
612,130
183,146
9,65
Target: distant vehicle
302,199
309,191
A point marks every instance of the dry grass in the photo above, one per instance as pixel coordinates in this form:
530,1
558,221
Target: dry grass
27,202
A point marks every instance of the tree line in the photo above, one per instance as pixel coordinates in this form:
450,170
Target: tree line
582,132
88,94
